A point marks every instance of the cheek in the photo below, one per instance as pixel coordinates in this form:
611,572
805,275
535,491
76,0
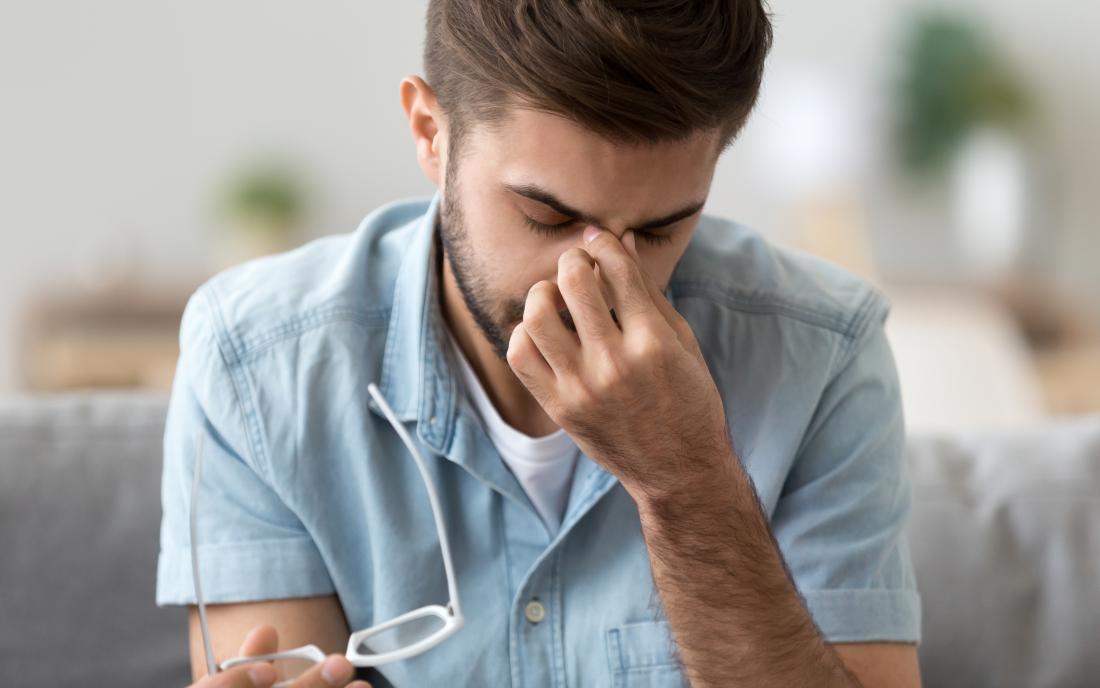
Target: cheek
512,266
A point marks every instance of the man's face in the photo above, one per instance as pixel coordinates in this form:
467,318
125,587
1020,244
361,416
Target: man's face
518,198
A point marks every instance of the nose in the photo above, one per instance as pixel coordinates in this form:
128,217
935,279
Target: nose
620,234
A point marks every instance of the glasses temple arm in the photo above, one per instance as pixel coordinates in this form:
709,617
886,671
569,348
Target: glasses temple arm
211,665
452,588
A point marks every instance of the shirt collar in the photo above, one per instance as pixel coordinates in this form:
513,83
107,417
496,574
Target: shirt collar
416,380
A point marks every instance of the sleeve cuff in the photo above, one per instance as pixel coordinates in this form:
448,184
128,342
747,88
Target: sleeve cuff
245,572
853,616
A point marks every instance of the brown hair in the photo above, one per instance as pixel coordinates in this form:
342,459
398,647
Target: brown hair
633,71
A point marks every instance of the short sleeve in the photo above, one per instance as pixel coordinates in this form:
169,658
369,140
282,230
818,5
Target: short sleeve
841,517
251,546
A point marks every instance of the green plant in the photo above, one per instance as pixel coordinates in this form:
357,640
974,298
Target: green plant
953,80
267,196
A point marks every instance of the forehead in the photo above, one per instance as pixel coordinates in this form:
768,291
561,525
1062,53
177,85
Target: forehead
591,172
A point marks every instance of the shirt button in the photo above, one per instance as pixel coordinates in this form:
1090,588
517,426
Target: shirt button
535,611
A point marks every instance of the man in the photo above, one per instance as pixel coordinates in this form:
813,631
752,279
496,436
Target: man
666,450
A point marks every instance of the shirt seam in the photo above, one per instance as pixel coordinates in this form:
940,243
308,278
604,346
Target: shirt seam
237,381
253,347
845,325
843,357
861,320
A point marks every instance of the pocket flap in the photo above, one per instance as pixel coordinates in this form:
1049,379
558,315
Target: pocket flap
641,644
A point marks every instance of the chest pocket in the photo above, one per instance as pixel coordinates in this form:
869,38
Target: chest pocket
643,655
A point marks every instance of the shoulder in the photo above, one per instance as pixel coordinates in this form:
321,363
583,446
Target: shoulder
341,278
734,269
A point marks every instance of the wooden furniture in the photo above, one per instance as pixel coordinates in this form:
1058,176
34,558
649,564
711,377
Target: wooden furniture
123,336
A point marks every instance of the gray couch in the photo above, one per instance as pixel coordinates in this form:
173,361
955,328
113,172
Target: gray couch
1005,536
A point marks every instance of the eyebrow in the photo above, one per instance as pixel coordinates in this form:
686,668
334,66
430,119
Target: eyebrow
537,193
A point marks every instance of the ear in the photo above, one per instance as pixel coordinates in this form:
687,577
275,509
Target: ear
427,124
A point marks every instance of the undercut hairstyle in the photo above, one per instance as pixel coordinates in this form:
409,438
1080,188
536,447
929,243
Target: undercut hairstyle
632,71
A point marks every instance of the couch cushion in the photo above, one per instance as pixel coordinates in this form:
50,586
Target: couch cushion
1005,533
79,528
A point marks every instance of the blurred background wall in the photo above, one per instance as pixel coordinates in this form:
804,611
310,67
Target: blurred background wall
137,139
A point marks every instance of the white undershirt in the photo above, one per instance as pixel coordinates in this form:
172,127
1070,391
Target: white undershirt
542,465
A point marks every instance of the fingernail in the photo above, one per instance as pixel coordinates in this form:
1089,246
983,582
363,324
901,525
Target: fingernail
590,233
336,671
262,675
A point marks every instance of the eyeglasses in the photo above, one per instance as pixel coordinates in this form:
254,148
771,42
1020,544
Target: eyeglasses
412,632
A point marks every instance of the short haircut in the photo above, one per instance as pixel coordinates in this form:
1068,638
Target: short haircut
632,71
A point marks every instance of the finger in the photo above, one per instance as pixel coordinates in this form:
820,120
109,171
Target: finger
259,675
527,362
559,346
622,274
670,314
261,640
336,670
580,288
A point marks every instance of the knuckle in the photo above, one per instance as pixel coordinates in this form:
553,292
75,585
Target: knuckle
537,316
645,348
538,303
536,310
610,369
573,274
605,382
574,255
582,403
537,291
516,343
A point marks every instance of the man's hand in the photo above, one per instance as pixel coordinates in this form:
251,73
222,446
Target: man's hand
636,396
336,670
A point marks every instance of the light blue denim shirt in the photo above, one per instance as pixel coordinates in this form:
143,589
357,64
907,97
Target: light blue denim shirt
308,490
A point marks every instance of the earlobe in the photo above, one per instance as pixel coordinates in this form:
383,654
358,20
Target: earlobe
422,110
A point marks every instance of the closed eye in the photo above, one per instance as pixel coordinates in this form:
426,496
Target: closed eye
552,230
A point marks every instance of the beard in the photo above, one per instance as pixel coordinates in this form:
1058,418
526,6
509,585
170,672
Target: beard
495,316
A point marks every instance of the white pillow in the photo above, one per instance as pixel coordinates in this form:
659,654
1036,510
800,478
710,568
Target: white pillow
1005,535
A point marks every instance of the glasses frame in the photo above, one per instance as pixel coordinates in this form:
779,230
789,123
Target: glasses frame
451,615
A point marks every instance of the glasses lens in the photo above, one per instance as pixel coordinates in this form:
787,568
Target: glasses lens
402,635
290,669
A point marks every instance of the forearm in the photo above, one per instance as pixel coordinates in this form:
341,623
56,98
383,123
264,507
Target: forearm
734,611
